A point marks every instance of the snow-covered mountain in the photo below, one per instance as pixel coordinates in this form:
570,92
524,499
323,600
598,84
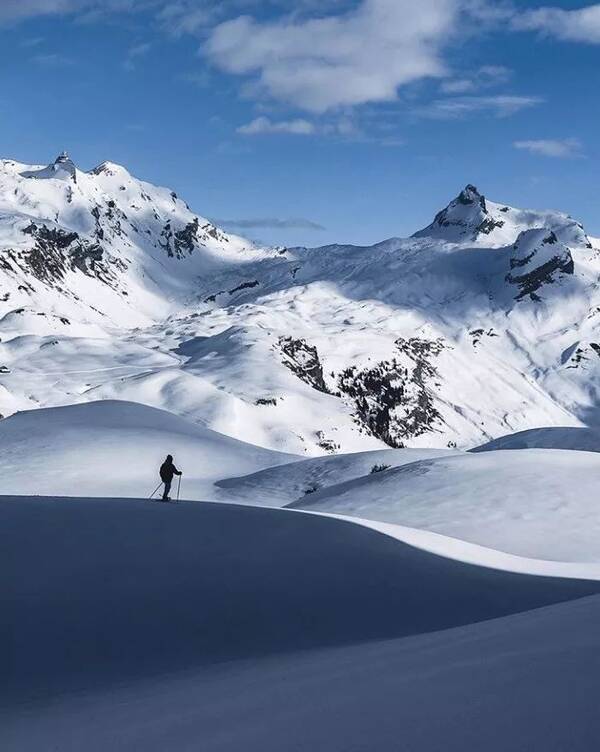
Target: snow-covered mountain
484,323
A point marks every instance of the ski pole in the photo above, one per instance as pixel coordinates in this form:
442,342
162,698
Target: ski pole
155,490
178,487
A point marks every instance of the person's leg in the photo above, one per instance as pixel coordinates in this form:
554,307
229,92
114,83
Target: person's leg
167,490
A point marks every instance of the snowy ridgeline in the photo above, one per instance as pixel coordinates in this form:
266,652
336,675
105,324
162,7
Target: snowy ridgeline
226,628
484,323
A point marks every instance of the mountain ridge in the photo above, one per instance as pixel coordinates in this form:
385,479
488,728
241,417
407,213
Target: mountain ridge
482,323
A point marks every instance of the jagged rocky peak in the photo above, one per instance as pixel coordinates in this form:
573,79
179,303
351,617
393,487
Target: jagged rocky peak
538,258
470,195
466,217
63,168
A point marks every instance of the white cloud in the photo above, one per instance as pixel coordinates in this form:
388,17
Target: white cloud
51,60
484,78
269,222
557,148
502,105
19,10
579,25
138,50
261,125
363,55
135,53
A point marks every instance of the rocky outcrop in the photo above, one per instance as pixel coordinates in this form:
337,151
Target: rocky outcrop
55,251
392,399
303,360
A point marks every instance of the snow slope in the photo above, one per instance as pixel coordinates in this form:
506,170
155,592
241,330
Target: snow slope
329,636
115,449
535,503
283,484
483,323
581,439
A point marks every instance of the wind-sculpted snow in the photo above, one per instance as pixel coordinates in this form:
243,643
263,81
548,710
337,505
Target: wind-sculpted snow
307,351
111,448
579,439
283,484
534,503
133,625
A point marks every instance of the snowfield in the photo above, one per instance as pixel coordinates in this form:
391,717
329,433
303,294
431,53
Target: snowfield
283,484
133,625
581,439
534,503
115,449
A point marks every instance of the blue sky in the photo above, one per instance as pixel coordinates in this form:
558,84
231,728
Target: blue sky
313,122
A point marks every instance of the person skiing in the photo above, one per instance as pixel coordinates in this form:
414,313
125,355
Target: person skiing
167,471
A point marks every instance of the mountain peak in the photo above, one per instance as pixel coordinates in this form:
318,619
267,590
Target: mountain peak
465,218
109,168
470,195
63,168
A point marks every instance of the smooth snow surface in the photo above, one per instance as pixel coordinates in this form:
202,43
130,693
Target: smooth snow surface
281,485
581,439
535,503
132,625
112,448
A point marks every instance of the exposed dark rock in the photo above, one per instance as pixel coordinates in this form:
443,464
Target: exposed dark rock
245,286
303,360
55,251
392,398
379,469
186,239
327,445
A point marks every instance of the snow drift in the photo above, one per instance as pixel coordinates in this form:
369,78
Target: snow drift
579,439
111,448
283,484
535,503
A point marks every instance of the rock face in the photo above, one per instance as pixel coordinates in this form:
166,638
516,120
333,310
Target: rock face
538,258
303,360
393,400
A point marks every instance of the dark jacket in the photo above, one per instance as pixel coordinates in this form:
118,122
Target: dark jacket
168,470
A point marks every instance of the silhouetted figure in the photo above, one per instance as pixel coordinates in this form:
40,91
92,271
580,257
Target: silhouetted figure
167,471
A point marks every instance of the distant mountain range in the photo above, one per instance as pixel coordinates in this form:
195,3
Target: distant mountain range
483,323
